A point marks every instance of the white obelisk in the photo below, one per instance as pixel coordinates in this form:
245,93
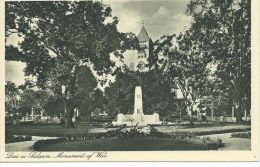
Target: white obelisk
138,106
32,115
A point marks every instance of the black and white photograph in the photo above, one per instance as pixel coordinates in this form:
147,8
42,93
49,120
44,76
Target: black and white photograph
130,75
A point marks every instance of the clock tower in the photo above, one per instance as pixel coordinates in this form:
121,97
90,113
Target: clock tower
141,60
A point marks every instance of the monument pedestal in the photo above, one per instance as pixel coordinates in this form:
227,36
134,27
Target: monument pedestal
138,118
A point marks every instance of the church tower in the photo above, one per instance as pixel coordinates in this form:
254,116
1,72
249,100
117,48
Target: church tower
144,42
141,57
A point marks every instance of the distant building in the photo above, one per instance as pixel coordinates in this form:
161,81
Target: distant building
141,58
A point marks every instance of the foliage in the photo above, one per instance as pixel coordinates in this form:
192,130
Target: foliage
246,135
157,96
10,138
55,50
210,59
184,67
131,144
53,106
11,97
213,56
84,96
33,100
222,32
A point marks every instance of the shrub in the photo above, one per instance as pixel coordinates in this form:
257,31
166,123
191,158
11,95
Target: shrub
42,143
212,144
10,138
241,135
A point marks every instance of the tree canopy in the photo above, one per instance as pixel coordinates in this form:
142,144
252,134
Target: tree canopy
68,45
222,32
60,37
156,90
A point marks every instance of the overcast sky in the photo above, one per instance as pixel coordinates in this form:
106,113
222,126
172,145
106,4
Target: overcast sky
159,17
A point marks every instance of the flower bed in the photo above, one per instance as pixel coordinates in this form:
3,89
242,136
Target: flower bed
129,139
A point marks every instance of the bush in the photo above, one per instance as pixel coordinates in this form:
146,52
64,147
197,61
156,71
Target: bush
212,144
246,135
10,138
42,143
183,135
185,118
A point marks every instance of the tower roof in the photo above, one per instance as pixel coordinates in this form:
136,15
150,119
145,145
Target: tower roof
143,36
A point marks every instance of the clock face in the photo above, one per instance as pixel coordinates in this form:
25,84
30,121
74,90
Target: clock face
138,96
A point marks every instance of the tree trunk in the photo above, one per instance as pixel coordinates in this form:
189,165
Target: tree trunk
188,107
212,113
238,113
238,100
68,117
88,116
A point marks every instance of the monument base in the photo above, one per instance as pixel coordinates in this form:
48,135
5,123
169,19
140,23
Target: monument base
135,120
138,118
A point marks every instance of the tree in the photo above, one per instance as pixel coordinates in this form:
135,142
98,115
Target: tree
119,96
156,90
184,67
60,39
53,106
222,30
35,100
11,97
86,84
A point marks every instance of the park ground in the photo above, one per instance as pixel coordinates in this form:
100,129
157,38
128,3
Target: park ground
54,130
222,131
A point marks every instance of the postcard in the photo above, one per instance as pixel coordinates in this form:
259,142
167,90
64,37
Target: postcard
133,80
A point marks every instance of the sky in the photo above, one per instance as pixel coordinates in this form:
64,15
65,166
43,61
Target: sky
159,18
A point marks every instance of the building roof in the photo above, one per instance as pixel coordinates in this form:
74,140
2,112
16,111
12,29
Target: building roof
143,36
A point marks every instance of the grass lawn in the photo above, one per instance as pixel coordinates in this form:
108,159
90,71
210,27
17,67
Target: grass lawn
205,130
57,131
49,130
129,144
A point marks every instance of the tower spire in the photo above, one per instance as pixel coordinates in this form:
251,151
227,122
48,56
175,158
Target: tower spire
143,35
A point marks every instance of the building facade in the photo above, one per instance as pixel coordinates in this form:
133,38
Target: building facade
141,58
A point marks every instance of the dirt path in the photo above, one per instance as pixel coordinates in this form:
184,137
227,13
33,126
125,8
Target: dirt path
25,145
232,143
19,146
